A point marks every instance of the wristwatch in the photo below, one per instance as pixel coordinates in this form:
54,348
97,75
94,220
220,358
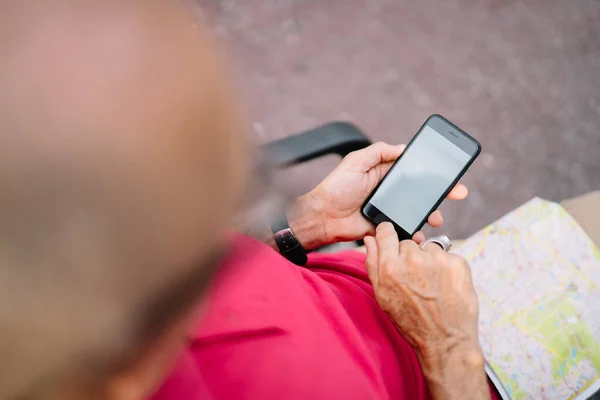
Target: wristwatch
288,245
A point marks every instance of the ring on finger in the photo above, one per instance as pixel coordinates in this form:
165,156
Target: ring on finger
442,240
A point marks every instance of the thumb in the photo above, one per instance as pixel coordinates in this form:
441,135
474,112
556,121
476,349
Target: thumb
372,262
376,154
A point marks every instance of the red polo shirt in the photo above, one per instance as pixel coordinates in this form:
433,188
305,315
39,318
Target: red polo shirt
273,330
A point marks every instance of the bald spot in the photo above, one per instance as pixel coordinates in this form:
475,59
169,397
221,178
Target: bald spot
119,164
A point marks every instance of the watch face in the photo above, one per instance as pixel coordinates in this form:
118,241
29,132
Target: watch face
289,247
285,240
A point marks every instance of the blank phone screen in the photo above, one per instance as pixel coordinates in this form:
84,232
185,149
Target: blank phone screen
418,180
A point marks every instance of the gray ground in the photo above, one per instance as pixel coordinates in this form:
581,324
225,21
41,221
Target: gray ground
521,76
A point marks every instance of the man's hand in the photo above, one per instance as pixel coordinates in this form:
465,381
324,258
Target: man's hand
429,294
330,213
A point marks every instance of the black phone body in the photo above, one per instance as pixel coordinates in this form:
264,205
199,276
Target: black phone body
432,163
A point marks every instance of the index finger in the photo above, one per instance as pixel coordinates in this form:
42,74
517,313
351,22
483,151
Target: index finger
372,263
388,245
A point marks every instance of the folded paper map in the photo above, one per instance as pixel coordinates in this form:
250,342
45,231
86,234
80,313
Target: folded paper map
537,275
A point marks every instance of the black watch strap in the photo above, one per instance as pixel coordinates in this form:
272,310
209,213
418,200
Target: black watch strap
288,245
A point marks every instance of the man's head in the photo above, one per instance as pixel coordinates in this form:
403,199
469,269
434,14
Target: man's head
120,163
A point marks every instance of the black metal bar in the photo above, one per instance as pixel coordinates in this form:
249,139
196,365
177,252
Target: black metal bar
333,138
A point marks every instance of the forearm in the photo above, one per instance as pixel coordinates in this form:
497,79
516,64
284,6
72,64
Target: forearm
456,374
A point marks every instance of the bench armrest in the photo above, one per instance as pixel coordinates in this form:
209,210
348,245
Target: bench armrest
333,138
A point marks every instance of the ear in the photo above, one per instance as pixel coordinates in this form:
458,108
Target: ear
149,371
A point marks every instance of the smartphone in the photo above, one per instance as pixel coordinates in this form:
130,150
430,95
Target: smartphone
430,166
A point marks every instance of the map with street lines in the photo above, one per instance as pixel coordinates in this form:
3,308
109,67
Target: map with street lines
537,275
